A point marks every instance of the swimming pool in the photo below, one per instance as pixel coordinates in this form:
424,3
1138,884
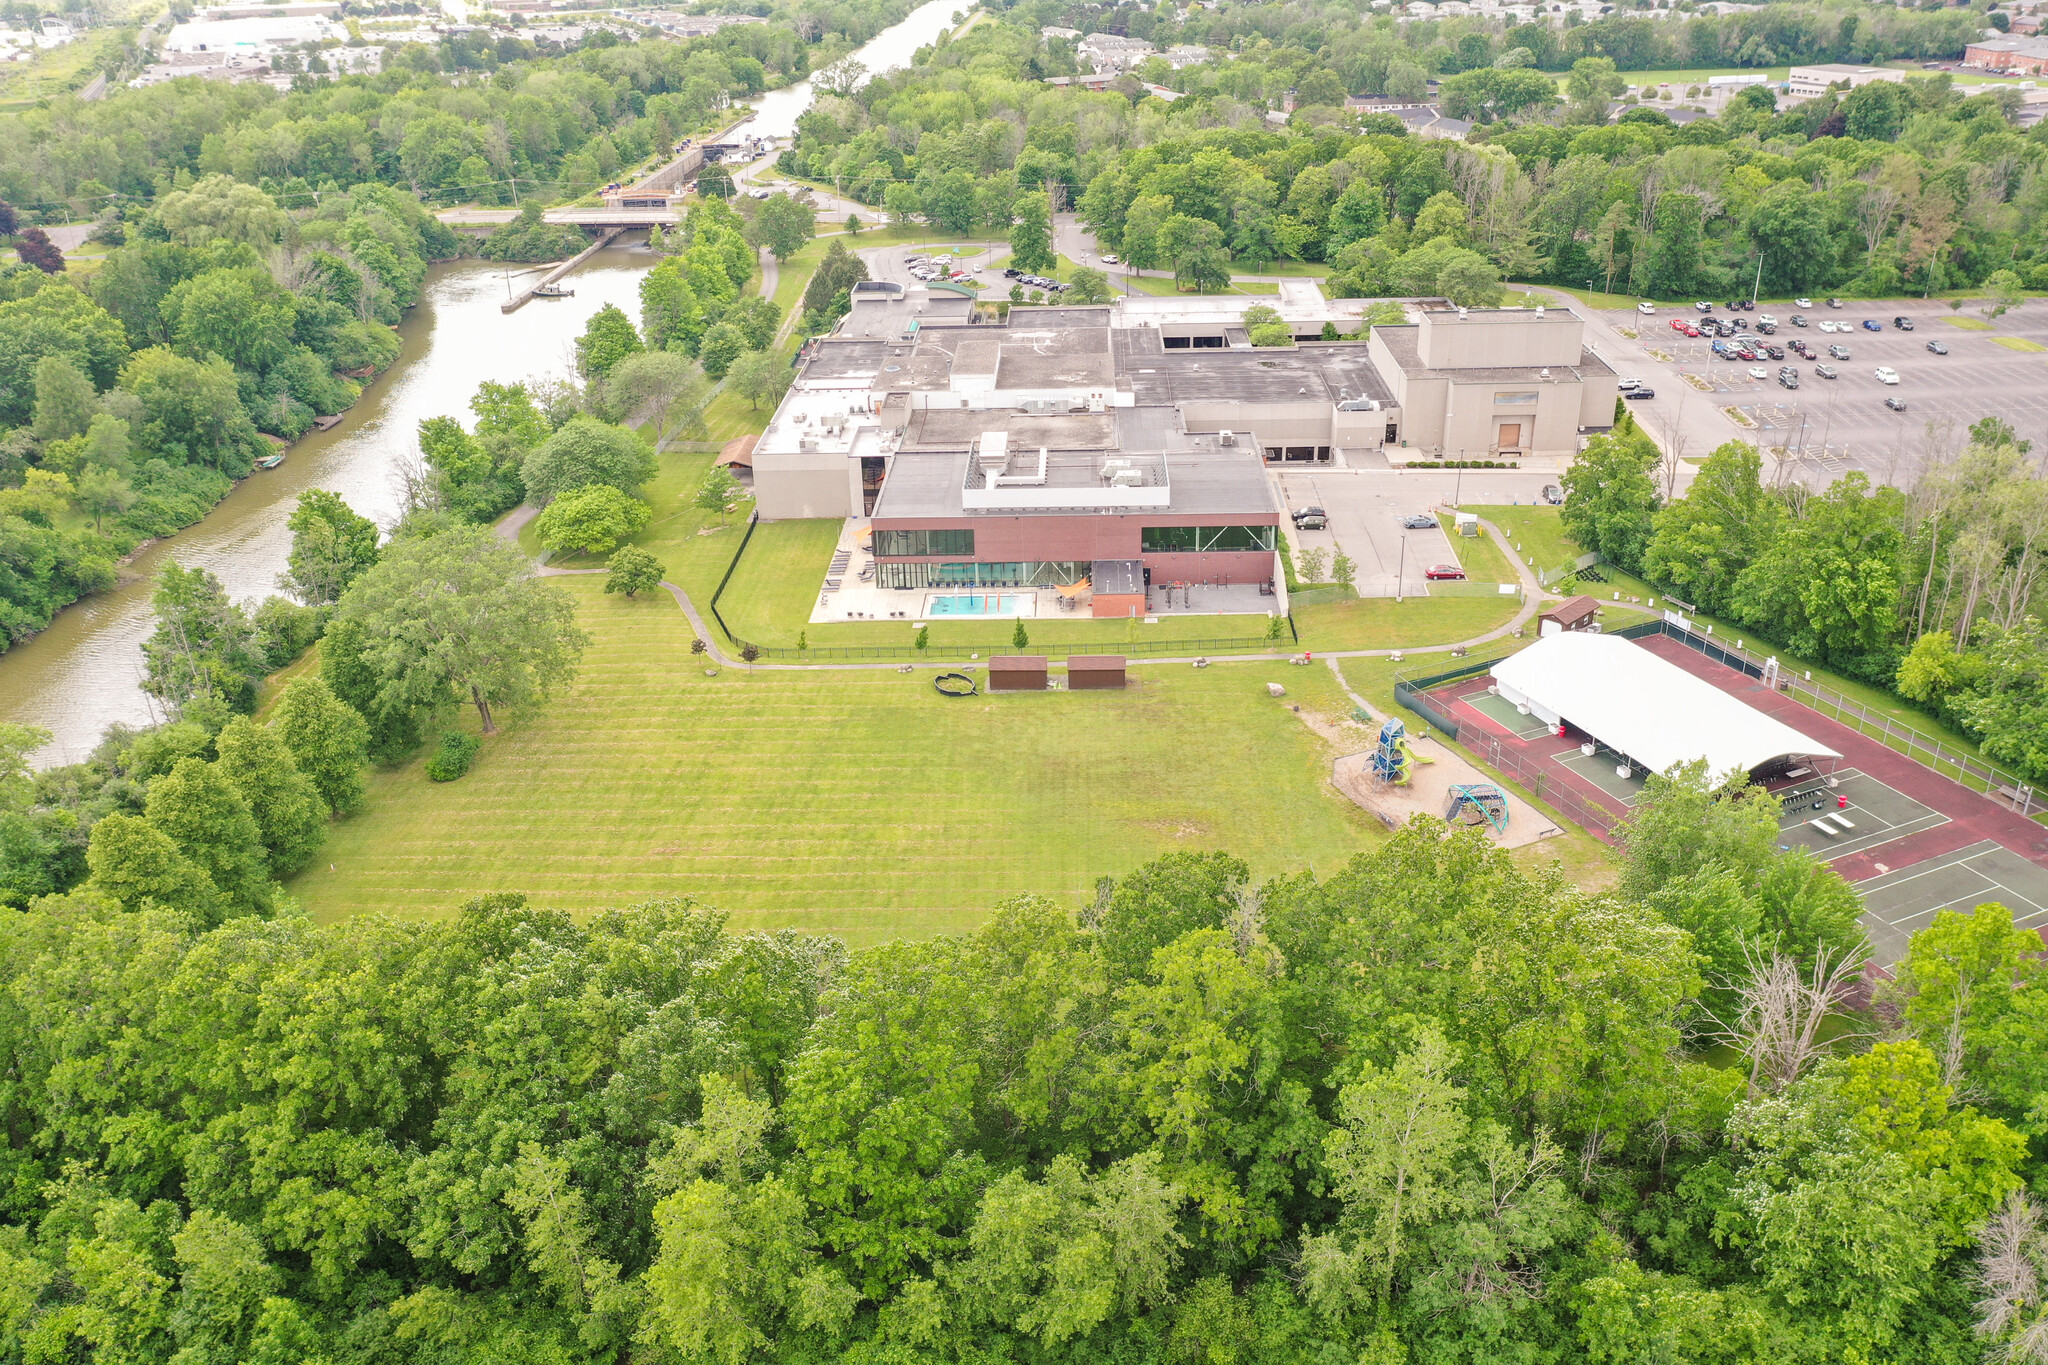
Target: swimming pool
977,604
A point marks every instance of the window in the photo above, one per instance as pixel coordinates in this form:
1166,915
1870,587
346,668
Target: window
1198,539
898,544
1515,399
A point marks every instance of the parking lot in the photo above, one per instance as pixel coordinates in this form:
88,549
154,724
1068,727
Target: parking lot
1828,427
1365,509
892,263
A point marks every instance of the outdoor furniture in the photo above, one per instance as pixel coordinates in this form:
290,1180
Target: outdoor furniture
1820,823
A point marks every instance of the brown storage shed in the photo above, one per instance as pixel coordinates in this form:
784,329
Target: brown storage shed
1574,613
1095,671
1016,673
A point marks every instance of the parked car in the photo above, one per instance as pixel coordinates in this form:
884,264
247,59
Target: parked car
1746,353
1640,393
1310,519
1834,303
1741,324
1887,375
1872,325
1827,372
1444,571
1553,495
1680,325
1802,303
1691,331
1827,324
1646,308
1704,307
1108,259
1775,352
1790,381
1012,273
1421,521
1903,324
1896,404
1759,372
1839,352
1799,319
1800,349
1938,347
1624,385
1767,328
1763,318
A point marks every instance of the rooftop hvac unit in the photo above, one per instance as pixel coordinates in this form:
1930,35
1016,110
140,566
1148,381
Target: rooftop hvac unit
1127,478
1226,438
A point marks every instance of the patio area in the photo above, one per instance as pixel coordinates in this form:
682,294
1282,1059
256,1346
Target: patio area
850,592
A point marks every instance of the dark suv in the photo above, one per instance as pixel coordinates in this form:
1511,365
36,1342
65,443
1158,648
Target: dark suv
1310,519
1903,324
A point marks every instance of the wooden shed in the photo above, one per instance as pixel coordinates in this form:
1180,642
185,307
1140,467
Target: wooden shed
1095,671
1016,673
1574,613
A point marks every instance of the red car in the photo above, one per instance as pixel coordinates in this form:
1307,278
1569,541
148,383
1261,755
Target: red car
1691,330
1679,324
1444,571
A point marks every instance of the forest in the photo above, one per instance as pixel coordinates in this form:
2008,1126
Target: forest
1889,189
1929,593
1431,1106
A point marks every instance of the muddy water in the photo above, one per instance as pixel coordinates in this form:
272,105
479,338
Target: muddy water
82,674
776,112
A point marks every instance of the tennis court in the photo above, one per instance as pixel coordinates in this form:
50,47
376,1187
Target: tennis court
1600,770
1876,814
1505,714
1899,904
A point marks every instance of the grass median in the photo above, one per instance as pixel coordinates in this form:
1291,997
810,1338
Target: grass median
853,802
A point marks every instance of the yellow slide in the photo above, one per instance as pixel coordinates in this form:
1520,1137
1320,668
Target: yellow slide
1408,752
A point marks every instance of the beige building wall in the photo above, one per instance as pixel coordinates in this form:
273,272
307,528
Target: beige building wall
1484,339
1275,424
803,485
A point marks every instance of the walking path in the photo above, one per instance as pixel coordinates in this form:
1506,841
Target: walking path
1533,599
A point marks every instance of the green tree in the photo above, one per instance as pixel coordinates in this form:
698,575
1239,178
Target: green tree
217,207
783,225
138,866
631,570
55,320
661,389
1031,232
1089,285
1194,246
718,491
1673,258
331,547
1876,112
760,377
191,410
1610,500
202,811
460,614
585,452
104,493
328,741
203,644
607,339
722,345
1828,582
65,400
289,810
591,519
1702,542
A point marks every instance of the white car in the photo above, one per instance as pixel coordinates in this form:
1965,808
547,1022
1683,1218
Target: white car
1108,259
1827,325
1624,385
1887,375
1765,319
1759,372
1647,309
1802,303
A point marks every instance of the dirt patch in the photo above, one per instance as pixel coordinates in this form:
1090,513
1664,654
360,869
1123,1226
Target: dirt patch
1429,792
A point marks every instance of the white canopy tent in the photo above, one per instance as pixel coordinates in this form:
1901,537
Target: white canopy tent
1645,707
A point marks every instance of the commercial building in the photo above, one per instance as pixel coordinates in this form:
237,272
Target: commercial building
1805,82
1127,447
1489,383
2027,56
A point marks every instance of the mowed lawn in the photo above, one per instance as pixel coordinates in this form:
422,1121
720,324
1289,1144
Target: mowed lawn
860,803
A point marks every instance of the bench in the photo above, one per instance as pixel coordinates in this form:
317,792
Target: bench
1820,823
1844,821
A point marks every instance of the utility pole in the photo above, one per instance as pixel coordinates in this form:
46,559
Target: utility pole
1757,284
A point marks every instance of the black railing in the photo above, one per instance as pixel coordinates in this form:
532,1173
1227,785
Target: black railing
719,591
1249,644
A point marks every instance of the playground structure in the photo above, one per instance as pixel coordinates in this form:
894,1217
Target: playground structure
1472,802
1394,761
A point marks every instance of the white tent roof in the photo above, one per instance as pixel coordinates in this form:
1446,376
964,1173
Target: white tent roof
1644,706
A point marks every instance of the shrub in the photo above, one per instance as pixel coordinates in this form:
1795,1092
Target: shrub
453,758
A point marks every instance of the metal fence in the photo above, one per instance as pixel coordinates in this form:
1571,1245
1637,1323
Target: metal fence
1257,644
1542,784
719,591
1933,754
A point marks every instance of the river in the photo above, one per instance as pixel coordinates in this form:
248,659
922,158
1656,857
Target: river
83,673
776,112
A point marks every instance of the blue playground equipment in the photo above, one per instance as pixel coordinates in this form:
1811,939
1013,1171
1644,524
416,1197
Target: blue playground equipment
1393,762
1472,802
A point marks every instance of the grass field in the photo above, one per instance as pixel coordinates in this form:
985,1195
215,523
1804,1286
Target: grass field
859,803
1536,530
1483,560
2019,344
1967,324
1383,623
1164,287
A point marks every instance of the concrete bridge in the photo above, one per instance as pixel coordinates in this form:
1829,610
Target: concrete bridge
594,219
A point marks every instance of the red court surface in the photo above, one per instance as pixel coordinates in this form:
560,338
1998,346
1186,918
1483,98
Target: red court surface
1979,850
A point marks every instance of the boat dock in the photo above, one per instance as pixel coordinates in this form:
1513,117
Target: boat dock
604,239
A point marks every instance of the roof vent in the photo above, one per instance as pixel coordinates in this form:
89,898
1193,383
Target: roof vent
1544,373
1461,312
1226,438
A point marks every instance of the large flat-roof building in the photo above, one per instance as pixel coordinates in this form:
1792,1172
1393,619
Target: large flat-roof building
2027,55
1807,82
1133,441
